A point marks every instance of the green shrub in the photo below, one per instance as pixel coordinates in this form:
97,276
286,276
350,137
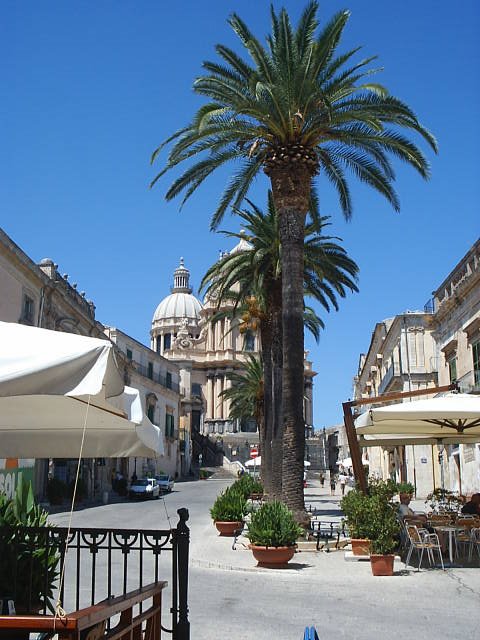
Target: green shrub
28,567
443,500
230,506
406,487
373,516
247,485
273,525
204,474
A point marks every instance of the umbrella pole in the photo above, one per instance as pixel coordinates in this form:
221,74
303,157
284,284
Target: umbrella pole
355,453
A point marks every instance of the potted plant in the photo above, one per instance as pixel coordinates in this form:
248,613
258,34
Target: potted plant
228,511
442,500
384,530
28,563
273,534
249,486
355,508
405,489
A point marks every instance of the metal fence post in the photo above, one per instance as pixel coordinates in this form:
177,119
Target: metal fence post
182,629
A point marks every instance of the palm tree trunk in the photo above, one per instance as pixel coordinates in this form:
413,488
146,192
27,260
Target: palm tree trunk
291,191
266,432
277,366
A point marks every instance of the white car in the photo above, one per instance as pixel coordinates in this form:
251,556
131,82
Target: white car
165,482
144,488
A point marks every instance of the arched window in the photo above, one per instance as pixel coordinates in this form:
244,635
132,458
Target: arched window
167,341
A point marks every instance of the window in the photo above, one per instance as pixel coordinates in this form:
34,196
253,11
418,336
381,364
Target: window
151,413
249,341
196,389
28,310
167,341
452,367
159,344
129,354
168,380
169,425
150,370
476,363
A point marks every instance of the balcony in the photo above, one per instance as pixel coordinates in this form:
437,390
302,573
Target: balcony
164,380
392,372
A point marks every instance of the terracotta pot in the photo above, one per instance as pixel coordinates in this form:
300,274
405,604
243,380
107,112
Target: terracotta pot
403,495
272,556
228,528
382,565
360,546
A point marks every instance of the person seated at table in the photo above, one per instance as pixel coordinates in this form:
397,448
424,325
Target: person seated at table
472,507
404,511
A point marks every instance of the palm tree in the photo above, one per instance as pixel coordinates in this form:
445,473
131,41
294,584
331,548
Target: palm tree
295,109
246,392
252,281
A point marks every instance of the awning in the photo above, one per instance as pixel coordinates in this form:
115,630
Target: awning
54,383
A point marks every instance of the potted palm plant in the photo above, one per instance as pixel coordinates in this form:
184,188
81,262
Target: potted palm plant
228,511
273,534
405,489
28,561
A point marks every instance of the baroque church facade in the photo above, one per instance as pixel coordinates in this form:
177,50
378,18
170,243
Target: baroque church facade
206,353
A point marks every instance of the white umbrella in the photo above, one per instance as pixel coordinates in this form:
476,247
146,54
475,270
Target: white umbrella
258,461
347,463
451,418
52,384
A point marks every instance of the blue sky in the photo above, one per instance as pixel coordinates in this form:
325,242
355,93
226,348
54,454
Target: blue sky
90,88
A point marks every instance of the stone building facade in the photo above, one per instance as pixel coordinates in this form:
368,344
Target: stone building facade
456,329
39,295
423,349
158,381
206,353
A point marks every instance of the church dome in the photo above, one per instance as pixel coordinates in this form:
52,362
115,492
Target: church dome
180,304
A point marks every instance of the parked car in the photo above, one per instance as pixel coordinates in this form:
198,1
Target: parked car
144,488
165,482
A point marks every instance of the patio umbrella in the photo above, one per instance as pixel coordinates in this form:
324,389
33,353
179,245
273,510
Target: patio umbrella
347,462
258,461
52,384
451,418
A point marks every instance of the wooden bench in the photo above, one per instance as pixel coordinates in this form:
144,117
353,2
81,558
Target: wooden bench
91,623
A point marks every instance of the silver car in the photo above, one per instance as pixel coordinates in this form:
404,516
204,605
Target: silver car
144,488
165,482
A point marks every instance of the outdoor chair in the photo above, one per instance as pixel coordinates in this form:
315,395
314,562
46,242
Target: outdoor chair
474,542
421,540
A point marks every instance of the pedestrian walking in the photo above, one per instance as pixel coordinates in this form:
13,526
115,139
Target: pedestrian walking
333,484
322,480
343,481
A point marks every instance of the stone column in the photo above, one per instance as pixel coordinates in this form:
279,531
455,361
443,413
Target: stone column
218,409
209,398
228,333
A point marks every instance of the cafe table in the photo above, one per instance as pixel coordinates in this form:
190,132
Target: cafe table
451,529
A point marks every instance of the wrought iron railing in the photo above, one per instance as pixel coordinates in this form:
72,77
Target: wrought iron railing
100,563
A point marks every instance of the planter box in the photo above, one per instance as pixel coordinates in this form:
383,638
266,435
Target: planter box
272,557
360,546
228,528
382,565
